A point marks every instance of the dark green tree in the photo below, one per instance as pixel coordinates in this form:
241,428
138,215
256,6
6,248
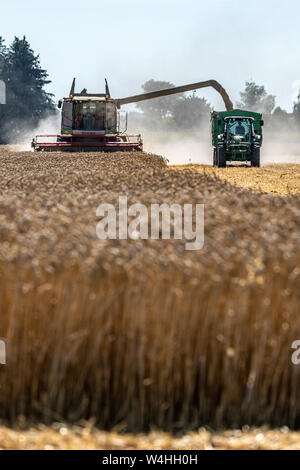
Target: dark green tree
27,101
255,98
173,111
280,113
296,110
2,56
158,108
279,120
191,112
3,52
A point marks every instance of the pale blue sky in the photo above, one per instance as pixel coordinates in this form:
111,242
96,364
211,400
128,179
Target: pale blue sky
179,41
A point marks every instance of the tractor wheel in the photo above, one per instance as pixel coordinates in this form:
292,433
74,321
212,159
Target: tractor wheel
221,157
215,157
255,161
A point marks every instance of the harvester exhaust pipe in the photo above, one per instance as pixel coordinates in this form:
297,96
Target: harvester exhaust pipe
107,93
72,89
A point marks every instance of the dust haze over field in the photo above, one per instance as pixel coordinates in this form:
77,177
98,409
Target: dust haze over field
281,151
179,147
49,125
182,148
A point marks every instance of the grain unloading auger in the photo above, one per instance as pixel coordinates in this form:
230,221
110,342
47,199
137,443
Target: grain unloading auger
92,122
179,89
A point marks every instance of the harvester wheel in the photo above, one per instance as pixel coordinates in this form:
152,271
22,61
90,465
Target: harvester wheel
221,157
255,161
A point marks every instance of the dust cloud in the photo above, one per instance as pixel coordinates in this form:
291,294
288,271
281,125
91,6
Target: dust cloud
280,151
179,148
49,125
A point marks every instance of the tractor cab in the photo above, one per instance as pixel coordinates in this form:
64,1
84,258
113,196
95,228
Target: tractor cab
238,130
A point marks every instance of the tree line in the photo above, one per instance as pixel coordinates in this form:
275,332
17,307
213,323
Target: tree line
26,99
28,102
191,112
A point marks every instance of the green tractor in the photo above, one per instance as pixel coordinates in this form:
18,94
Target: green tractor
236,137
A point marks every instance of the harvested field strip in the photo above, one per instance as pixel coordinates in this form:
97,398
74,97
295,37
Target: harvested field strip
274,179
62,437
142,332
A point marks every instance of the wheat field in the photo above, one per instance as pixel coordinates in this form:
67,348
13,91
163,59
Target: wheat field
280,179
143,334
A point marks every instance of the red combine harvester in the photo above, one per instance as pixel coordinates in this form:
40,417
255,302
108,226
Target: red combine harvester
92,122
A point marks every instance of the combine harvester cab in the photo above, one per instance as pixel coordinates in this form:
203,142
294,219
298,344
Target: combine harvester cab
89,122
236,137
